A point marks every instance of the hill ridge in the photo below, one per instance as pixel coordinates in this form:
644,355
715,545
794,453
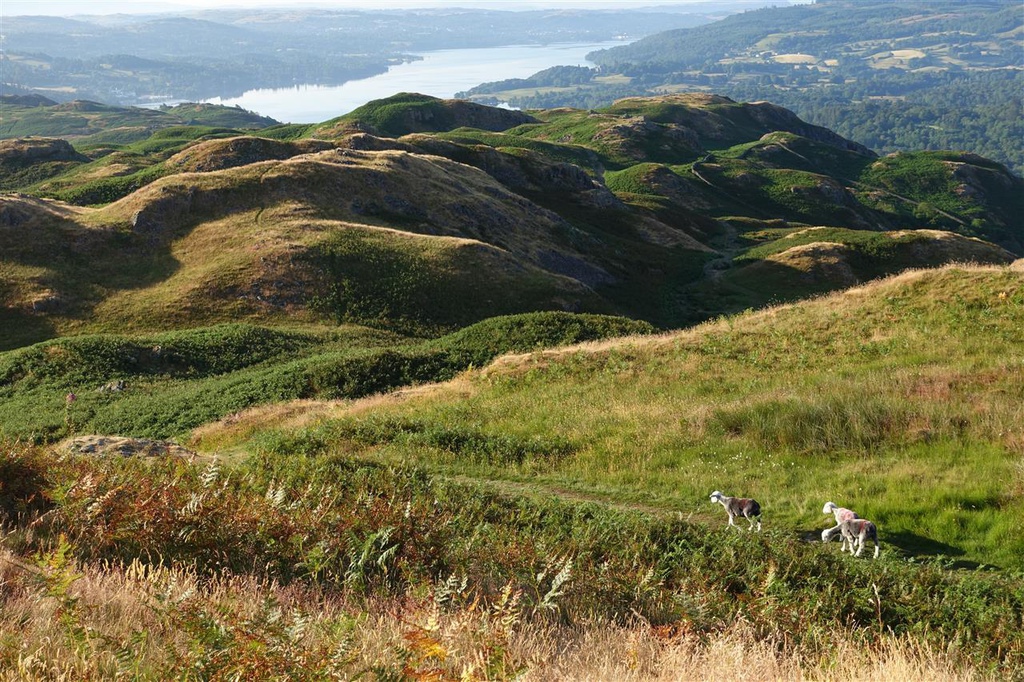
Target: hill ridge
619,210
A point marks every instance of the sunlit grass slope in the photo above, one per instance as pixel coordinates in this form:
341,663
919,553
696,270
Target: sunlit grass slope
902,399
162,385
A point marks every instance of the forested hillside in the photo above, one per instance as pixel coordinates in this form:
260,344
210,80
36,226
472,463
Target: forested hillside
893,76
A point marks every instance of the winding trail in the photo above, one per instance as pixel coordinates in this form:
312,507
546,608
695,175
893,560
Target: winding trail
547,491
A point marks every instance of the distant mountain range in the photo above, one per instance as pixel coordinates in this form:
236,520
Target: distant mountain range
197,55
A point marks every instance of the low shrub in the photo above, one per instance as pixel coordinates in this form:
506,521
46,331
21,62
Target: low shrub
361,528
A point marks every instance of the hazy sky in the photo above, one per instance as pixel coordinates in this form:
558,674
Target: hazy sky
72,7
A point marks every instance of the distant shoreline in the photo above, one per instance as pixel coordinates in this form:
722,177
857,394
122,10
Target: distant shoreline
439,73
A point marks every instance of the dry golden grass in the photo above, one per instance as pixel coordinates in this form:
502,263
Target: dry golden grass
795,58
240,425
232,432
300,633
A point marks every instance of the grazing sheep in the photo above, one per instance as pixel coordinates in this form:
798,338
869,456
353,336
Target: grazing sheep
841,514
739,506
855,533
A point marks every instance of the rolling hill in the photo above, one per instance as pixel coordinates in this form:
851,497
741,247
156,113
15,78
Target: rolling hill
663,209
398,377
672,209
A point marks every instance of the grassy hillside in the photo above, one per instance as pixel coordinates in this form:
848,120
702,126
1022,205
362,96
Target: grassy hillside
901,399
561,495
636,209
398,464
402,250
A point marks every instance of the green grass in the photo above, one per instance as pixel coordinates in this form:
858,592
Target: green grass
784,149
108,189
366,530
143,155
920,175
177,381
419,287
632,180
484,341
860,255
288,131
869,254
934,195
856,399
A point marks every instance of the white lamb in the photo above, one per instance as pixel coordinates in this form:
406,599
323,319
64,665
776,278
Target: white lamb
855,533
841,514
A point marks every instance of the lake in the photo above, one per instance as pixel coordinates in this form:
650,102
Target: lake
441,73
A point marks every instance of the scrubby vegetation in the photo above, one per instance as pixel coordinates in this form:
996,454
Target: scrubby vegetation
174,382
286,565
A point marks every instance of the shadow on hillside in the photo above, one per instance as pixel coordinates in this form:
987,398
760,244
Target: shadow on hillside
22,329
907,544
927,548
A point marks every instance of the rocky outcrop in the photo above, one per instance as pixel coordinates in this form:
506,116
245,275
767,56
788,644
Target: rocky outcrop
23,152
774,118
214,155
107,446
